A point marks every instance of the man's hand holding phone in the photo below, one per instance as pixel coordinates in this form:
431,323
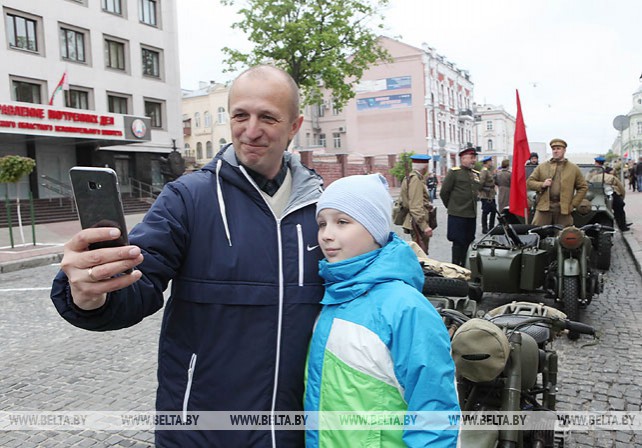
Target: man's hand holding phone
94,273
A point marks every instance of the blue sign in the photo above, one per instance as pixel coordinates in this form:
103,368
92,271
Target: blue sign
384,102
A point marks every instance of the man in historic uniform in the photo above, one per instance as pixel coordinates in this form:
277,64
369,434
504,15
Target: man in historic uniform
487,194
415,196
560,186
459,192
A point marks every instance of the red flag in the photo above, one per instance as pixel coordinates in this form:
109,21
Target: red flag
521,153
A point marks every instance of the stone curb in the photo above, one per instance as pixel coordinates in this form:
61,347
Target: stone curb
33,262
634,249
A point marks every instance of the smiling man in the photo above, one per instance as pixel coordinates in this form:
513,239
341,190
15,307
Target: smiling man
238,239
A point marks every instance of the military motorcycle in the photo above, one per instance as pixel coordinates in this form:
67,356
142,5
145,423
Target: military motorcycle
560,263
505,362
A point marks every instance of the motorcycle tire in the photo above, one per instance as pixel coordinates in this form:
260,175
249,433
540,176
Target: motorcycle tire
442,286
604,243
571,302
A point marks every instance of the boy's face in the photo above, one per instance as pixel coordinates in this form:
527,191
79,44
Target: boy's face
342,237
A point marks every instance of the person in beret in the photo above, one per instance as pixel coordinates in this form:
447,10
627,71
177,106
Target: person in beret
459,192
415,196
487,194
596,174
560,186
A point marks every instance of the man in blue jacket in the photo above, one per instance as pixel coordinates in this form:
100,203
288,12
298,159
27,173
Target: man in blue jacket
238,240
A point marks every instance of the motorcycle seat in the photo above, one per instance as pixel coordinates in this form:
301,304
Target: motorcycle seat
538,331
528,240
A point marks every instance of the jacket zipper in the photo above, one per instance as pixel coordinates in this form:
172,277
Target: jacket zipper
188,389
299,237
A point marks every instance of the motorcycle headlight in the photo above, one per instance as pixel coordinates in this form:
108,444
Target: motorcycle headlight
571,238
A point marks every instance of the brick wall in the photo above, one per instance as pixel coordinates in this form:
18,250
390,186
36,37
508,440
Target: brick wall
335,167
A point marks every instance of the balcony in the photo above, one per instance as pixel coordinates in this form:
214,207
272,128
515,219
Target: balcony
187,131
466,115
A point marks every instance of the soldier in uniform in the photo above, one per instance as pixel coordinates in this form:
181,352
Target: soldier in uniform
618,199
533,160
414,194
502,180
487,195
459,192
560,186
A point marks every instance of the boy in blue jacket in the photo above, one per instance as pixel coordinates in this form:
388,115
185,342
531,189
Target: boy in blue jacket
378,345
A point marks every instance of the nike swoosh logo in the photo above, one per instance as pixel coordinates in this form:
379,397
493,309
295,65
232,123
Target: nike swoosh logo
312,248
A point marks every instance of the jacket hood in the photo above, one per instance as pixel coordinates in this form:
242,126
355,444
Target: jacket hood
306,183
348,279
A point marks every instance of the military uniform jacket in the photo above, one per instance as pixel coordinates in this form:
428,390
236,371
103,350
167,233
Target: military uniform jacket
414,195
459,192
487,182
573,185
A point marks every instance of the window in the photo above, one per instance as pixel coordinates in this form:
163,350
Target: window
336,138
490,145
112,6
207,117
118,104
154,110
221,116
188,152
197,120
321,109
151,63
26,91
639,127
147,12
78,98
72,45
335,109
209,151
199,151
22,32
322,140
489,125
115,54
221,143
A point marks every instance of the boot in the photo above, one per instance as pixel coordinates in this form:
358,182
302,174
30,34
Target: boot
459,255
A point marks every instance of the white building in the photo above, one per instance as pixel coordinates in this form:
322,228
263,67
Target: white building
206,126
631,145
121,102
495,131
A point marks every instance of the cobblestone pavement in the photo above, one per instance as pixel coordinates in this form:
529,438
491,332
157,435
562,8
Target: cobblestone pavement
49,365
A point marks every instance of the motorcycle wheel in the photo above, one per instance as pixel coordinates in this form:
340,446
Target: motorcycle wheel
604,244
571,302
442,286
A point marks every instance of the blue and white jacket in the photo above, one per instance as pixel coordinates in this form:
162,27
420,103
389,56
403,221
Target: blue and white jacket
245,293
379,346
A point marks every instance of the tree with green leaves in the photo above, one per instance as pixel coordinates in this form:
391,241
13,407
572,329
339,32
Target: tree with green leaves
12,169
320,43
403,166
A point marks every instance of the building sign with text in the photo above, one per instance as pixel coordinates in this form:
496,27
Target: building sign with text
38,119
384,102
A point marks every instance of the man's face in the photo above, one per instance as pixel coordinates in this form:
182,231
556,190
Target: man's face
262,121
468,160
534,159
558,152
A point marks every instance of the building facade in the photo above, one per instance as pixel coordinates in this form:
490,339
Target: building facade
419,102
495,131
89,82
630,146
206,126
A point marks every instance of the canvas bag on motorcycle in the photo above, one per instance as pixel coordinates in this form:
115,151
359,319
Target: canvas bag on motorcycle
480,350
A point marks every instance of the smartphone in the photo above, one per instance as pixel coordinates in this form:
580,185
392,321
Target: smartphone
98,202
